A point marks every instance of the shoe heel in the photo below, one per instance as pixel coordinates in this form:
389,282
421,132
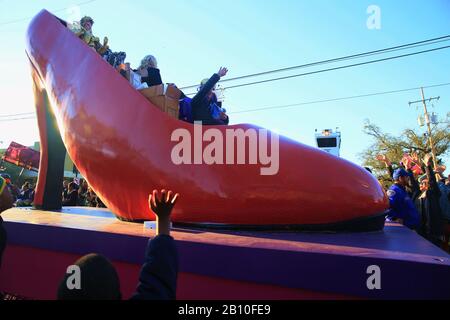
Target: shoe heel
48,195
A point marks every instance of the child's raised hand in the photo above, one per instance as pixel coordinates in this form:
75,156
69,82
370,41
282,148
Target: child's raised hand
162,206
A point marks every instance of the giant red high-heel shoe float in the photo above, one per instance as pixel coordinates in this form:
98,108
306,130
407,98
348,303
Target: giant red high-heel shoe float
122,144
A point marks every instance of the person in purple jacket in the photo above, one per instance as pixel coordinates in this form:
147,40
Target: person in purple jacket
158,276
185,112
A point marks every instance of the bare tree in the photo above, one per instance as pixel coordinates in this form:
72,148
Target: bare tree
409,141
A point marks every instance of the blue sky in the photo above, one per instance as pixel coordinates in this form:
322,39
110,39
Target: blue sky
192,39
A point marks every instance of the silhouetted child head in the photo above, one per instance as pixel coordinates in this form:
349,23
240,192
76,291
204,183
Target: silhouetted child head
98,280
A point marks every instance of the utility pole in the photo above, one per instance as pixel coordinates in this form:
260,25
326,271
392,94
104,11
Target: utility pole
428,122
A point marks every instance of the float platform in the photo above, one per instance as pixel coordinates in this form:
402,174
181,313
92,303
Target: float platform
225,264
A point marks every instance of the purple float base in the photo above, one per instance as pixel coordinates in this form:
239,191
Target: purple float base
410,266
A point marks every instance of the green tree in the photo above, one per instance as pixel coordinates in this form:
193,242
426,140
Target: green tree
394,147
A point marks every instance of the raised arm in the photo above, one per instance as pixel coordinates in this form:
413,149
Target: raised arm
408,163
158,277
432,183
414,185
384,159
205,89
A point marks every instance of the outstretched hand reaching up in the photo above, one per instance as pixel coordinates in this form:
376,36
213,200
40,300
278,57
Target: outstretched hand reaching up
384,159
428,159
162,207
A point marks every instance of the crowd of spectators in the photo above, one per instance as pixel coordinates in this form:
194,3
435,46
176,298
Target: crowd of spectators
80,194
22,197
420,197
76,193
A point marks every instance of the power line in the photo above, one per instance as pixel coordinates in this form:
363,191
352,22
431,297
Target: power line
333,69
304,103
338,99
16,119
15,115
54,11
344,58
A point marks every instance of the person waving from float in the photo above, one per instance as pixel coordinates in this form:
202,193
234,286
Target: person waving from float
205,107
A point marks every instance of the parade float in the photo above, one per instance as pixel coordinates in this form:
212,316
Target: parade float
124,146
